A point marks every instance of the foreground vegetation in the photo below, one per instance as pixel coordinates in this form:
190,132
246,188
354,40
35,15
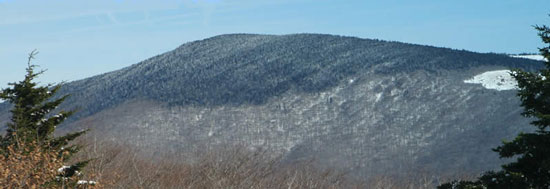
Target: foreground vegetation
30,155
117,166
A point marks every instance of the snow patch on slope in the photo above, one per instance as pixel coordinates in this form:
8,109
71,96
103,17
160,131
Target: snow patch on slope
532,57
498,80
378,96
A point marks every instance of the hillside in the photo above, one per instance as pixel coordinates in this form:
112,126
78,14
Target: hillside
370,106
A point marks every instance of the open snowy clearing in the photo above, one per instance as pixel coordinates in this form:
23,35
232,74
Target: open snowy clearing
498,80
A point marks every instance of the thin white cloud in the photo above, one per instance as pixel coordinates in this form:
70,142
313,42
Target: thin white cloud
22,12
112,18
35,11
108,23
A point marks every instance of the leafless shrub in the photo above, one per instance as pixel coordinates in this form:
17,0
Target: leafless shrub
117,166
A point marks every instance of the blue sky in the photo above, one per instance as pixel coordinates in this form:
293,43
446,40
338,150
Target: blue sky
78,39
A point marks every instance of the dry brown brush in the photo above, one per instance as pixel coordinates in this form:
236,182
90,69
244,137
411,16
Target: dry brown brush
117,166
28,166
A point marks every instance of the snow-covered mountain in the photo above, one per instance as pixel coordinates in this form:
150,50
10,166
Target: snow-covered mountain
367,106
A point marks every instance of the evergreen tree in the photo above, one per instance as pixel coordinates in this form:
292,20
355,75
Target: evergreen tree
532,150
34,118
